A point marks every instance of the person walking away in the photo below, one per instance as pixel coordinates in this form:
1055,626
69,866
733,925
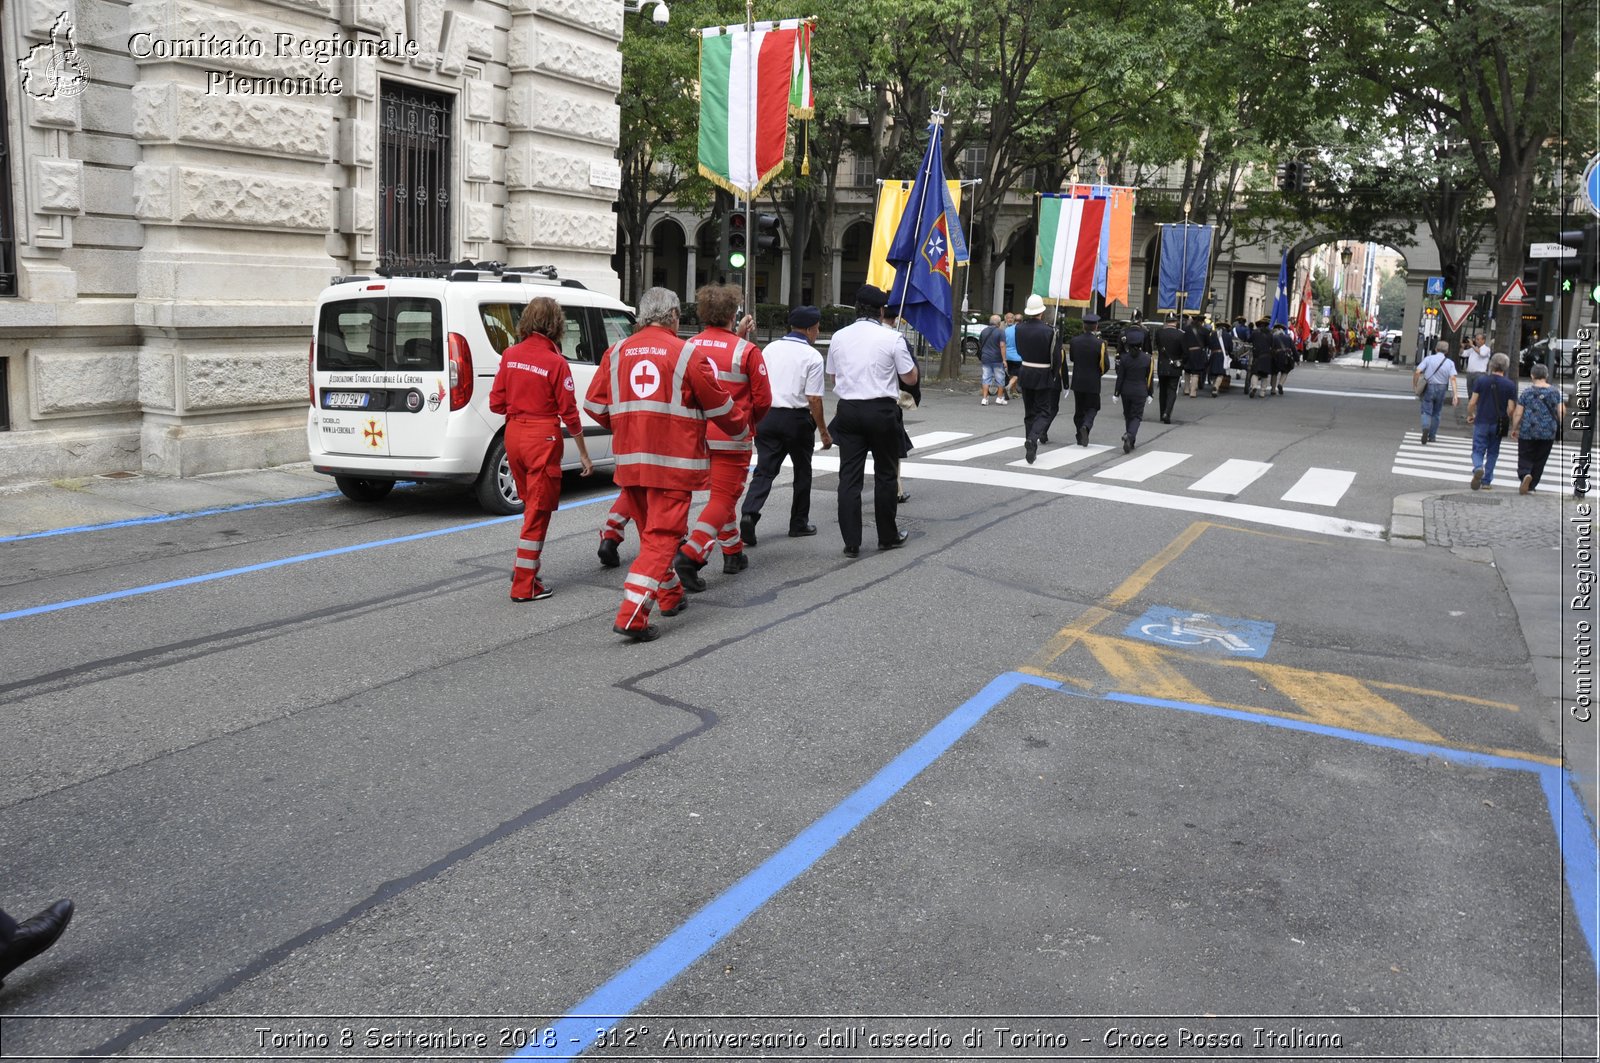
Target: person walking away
1282,357
869,361
1087,354
1135,374
1216,341
1366,353
1261,359
1170,354
794,371
992,363
1489,413
655,392
533,389
1195,357
1039,374
1535,422
1008,346
743,374
1437,374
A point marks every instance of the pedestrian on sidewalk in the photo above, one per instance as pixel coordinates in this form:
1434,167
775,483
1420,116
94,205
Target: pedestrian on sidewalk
533,388
1437,374
992,363
1489,413
1535,421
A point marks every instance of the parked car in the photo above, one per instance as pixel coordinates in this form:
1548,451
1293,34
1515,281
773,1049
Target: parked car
1557,355
401,369
972,326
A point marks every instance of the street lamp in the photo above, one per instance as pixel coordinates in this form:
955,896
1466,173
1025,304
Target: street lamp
659,16
1346,253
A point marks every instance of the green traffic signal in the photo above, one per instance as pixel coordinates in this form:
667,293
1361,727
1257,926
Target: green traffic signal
736,260
1566,284
1594,294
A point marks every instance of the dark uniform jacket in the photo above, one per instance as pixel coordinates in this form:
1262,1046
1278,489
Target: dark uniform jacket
1135,372
1212,341
1194,350
1087,353
1038,345
1282,352
1171,350
1261,350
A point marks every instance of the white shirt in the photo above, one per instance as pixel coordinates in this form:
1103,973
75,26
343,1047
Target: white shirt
794,371
1478,359
866,360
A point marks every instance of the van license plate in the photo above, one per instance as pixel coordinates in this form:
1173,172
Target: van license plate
345,400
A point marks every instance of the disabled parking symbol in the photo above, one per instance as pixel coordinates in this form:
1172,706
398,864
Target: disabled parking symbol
1227,636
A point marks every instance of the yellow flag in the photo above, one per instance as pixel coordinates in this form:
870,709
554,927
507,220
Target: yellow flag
892,197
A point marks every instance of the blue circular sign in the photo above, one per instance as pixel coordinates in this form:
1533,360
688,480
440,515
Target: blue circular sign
1591,183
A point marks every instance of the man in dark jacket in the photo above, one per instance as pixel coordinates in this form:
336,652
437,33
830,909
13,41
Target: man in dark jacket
1282,356
1135,372
1261,359
1039,374
1195,358
1087,356
1171,353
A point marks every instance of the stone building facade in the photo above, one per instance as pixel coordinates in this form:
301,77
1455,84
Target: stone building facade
179,179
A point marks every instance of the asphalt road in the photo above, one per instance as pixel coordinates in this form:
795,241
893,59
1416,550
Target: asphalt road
1110,760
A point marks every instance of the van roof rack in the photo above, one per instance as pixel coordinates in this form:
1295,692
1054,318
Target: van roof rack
465,270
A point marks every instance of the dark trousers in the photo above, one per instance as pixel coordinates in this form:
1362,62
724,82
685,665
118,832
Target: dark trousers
1169,395
1085,404
1531,456
8,927
861,427
1039,411
1133,413
783,433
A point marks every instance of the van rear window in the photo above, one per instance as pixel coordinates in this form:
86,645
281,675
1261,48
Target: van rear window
380,334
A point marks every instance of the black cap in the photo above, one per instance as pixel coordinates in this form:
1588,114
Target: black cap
803,317
870,295
1091,319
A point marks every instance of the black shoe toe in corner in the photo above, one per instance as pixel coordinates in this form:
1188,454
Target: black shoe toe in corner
1030,450
35,936
688,573
852,551
732,563
747,529
802,531
895,543
608,553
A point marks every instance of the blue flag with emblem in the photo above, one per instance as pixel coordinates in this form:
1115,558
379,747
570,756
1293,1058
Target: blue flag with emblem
926,248
1280,302
1184,269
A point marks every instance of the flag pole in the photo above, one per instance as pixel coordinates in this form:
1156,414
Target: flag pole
751,242
1183,262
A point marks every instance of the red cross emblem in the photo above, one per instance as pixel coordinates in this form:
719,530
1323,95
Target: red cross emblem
373,434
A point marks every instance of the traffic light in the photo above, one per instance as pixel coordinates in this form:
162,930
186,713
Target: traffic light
1292,176
767,239
737,244
723,208
1284,177
1451,277
1579,270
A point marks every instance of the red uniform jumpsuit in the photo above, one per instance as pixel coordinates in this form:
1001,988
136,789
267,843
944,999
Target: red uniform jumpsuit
656,392
743,372
534,390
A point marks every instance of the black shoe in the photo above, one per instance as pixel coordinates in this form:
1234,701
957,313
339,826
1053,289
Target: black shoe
1166,420
1030,450
747,528
1127,442
683,603
802,531
34,936
852,551
1083,438
688,571
903,497
901,535
732,563
648,633
608,553
540,593
1044,440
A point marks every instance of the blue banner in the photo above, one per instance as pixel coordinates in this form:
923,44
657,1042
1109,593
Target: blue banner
926,248
1185,267
1280,302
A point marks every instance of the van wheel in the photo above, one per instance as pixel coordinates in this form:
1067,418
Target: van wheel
496,490
969,348
361,489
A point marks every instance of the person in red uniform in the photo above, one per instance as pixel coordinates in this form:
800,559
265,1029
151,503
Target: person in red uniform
534,390
655,392
743,373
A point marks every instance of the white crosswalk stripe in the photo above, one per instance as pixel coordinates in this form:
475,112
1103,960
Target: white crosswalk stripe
1451,460
1061,456
980,450
1231,477
1138,470
1320,487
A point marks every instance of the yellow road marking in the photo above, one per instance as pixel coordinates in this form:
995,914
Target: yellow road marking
1344,701
1141,668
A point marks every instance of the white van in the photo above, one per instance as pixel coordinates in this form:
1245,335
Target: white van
401,369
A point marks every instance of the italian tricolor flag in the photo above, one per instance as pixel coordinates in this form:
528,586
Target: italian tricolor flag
751,80
1069,246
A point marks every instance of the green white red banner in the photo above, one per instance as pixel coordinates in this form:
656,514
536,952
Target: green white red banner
751,81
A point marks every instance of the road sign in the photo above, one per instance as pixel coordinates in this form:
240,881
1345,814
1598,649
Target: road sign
1456,311
1435,286
1516,293
1552,251
1591,183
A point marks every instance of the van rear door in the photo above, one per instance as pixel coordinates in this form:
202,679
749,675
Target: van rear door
380,376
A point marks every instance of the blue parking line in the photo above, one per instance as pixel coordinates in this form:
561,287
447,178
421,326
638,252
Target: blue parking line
208,577
162,518
625,992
